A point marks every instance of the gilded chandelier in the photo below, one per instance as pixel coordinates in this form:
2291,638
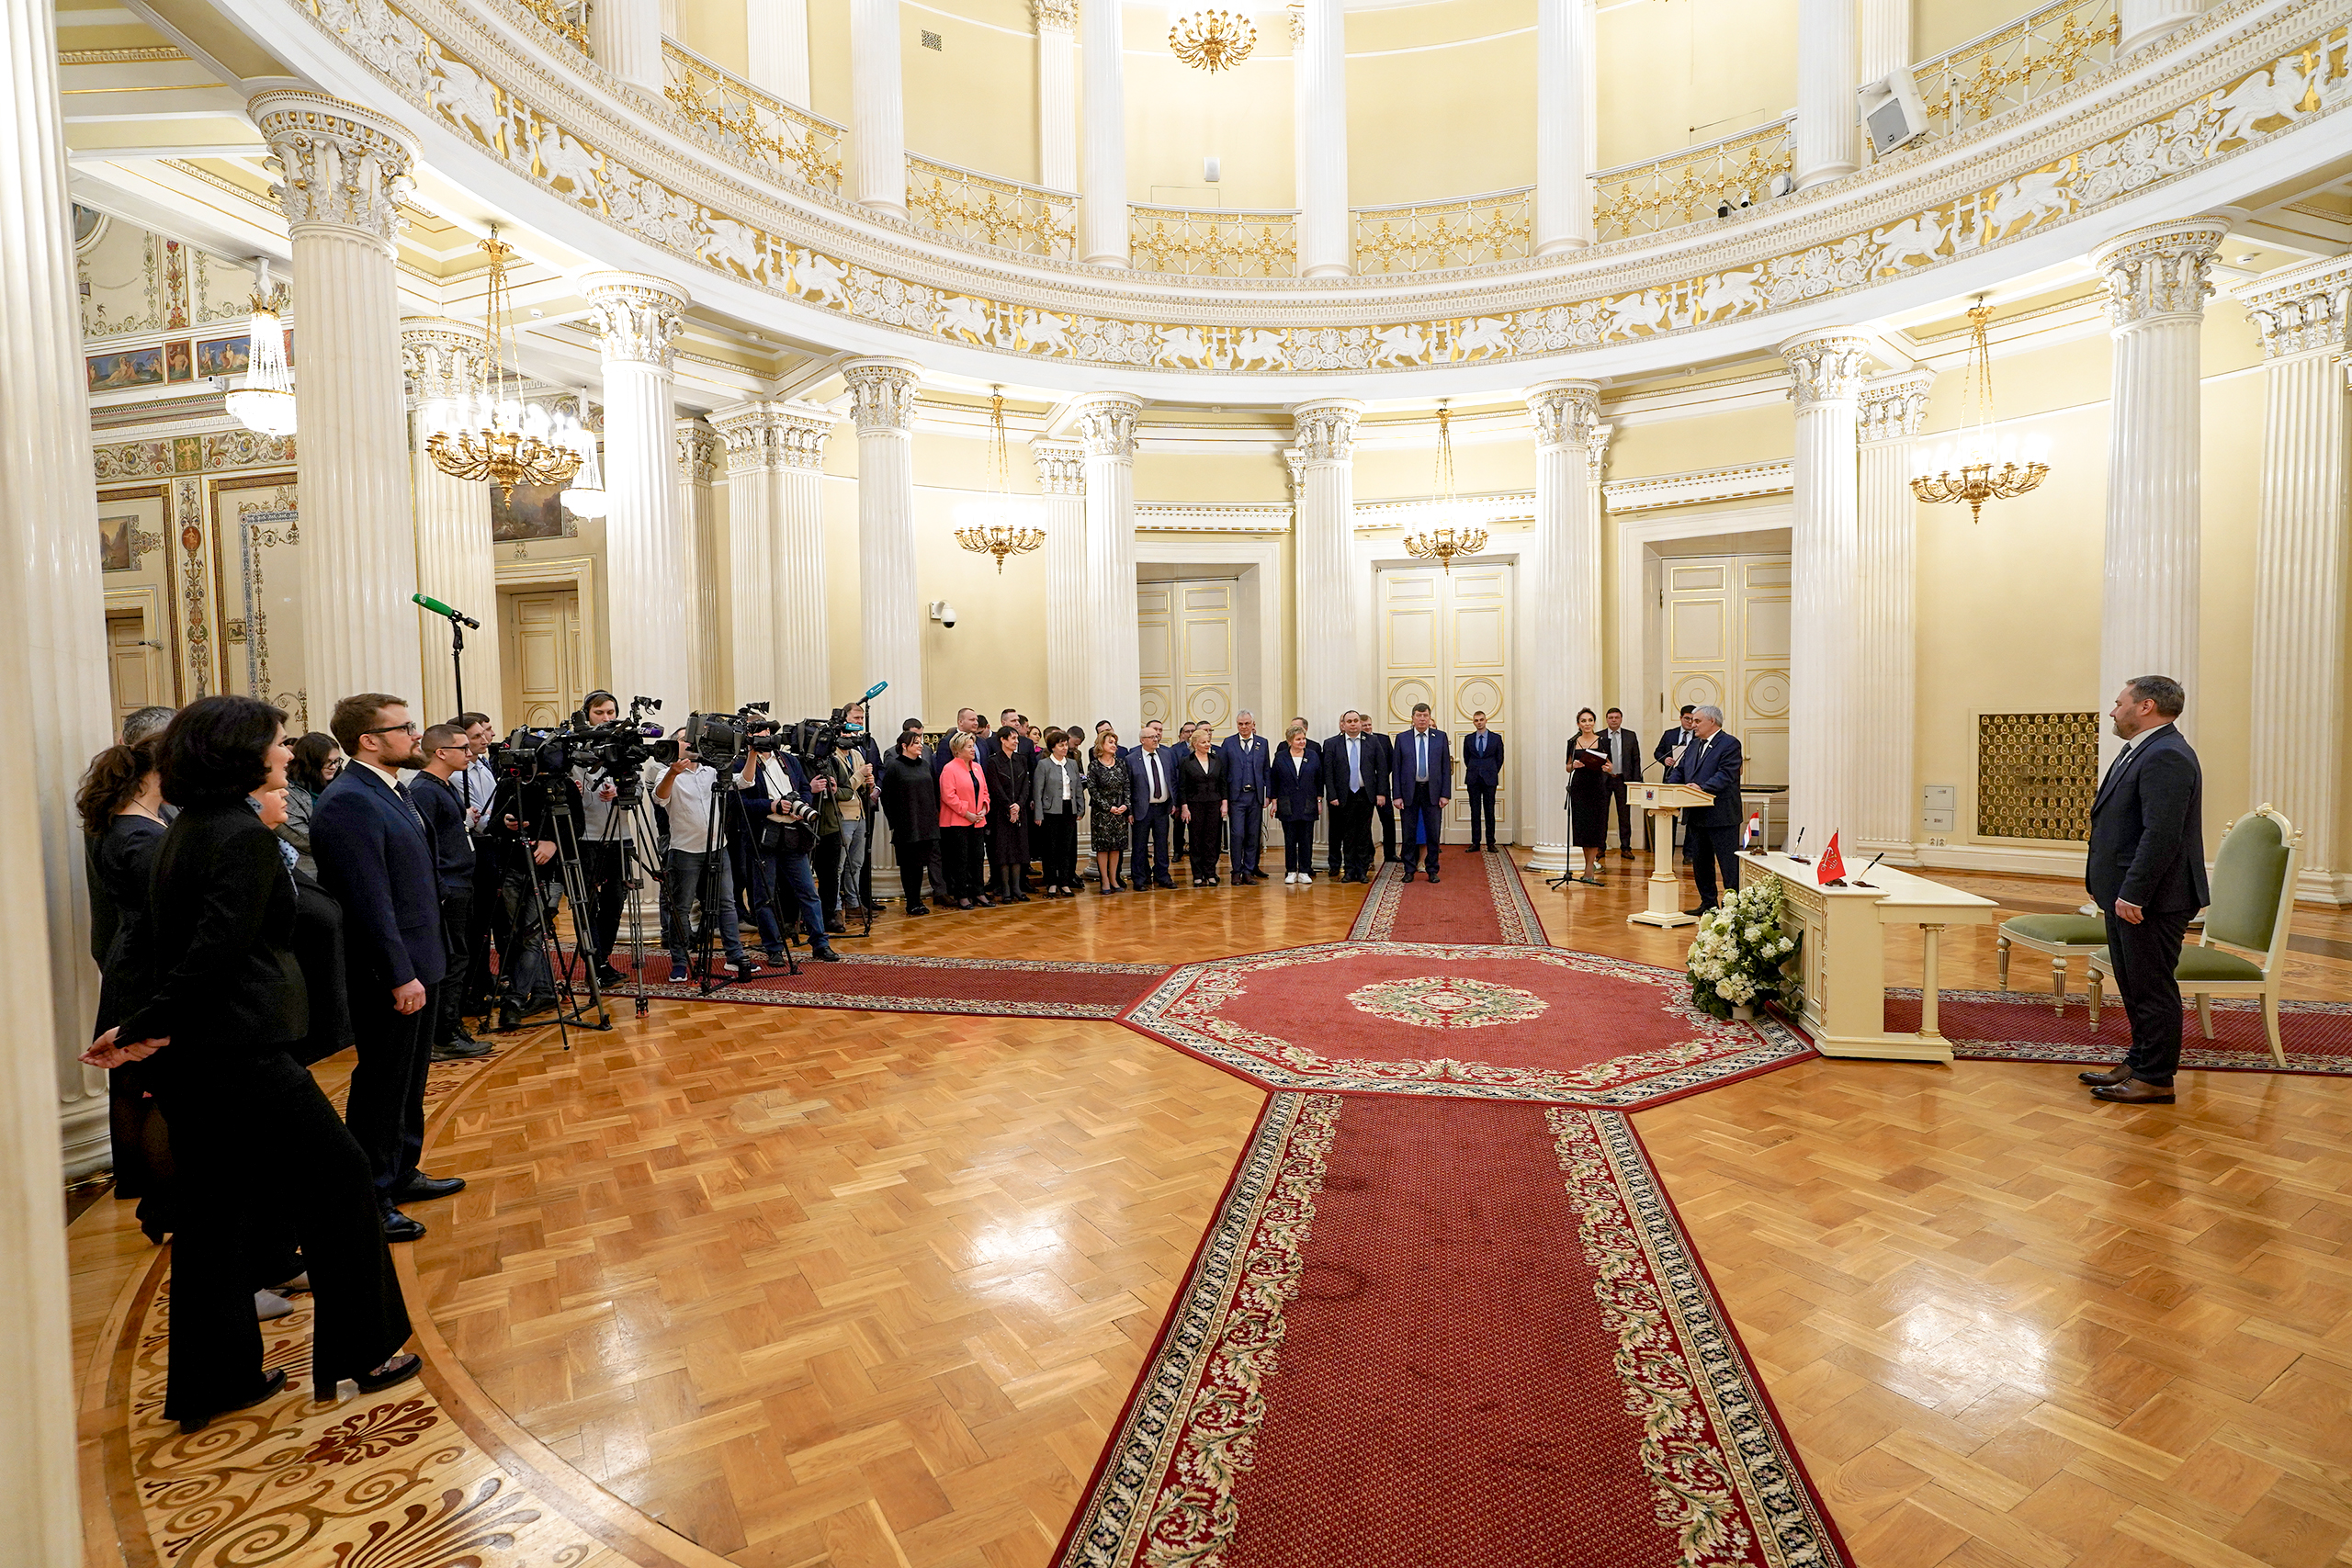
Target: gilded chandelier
1212,40
266,403
1448,538
997,526
487,431
1990,469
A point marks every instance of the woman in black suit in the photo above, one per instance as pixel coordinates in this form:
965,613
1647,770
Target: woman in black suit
1011,784
1200,786
121,805
226,1006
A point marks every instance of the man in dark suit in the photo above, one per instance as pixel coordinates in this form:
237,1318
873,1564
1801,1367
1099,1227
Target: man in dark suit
1422,767
1710,761
375,857
1482,771
1151,774
1386,806
1248,784
1180,830
2146,871
1356,780
435,796
1625,749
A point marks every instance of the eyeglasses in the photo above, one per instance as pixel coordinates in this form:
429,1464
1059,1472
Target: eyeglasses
411,728
454,745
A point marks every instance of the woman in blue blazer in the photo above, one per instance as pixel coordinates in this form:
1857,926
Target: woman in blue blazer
1298,801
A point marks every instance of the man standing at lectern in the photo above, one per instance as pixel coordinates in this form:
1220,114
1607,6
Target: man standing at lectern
2146,871
1711,761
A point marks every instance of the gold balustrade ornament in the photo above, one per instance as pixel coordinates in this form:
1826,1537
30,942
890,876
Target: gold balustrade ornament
1209,242
2015,64
763,127
1693,184
1004,213
1428,236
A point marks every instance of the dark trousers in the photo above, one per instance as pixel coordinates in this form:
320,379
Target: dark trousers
916,856
1207,840
1424,826
523,969
961,851
1150,832
264,1136
1713,845
2146,961
1246,826
1482,812
1008,853
1058,848
1617,795
1179,833
1298,845
1351,833
456,923
386,1109
1388,829
487,918
604,861
825,860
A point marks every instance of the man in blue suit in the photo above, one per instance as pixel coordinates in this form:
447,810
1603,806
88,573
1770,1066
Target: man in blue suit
1151,774
376,858
1482,770
1711,761
1248,784
1421,764
2146,871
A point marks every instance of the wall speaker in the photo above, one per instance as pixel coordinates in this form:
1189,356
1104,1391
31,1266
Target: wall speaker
1892,112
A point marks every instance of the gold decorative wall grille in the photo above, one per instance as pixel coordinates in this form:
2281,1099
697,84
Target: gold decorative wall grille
2035,774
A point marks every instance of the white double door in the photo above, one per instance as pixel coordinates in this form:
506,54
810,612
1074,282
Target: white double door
1445,640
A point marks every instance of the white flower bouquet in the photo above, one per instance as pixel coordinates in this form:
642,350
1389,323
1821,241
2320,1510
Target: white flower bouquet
1740,954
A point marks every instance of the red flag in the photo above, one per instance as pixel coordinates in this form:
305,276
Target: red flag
1833,864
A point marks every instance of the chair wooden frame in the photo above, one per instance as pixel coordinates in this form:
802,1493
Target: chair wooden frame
2058,954
2273,963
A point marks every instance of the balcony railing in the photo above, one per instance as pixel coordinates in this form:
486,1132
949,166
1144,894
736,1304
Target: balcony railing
566,18
1214,242
1007,214
1685,187
2038,54
737,118
1428,236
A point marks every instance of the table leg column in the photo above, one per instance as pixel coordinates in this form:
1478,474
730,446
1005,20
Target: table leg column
1929,1019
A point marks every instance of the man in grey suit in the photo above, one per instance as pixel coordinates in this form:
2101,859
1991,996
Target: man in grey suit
2146,871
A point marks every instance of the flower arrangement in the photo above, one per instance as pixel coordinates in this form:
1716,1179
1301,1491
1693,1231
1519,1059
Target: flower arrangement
1737,960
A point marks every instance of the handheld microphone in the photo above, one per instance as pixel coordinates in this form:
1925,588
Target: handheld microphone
438,608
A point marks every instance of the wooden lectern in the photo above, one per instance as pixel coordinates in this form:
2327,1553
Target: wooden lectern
1664,802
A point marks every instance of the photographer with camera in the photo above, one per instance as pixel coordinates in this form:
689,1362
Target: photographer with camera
604,826
534,785
787,807
689,789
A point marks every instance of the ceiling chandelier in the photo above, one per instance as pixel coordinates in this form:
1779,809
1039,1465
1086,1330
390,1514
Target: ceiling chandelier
584,496
1000,525
1447,539
1989,467
487,431
1212,40
266,403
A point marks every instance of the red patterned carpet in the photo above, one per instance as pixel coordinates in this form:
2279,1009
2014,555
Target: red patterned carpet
1004,988
2021,1026
1447,1335
1477,899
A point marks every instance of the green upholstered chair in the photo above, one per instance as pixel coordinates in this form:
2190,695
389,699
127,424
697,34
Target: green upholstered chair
2061,937
2252,910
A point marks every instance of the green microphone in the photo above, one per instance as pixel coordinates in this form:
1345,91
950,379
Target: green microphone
438,608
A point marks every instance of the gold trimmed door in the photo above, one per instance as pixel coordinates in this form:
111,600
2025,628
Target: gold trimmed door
1445,640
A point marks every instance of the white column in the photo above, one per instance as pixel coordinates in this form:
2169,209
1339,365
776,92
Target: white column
52,678
1102,214
1828,143
1327,242
2145,21
455,564
877,118
2155,306
1106,434
342,172
649,587
1885,619
625,37
1057,93
1061,476
1564,38
775,453
776,32
882,402
1563,636
2303,564
1324,436
1824,544
1886,37
697,466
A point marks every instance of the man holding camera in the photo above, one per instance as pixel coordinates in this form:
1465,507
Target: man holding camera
604,841
689,788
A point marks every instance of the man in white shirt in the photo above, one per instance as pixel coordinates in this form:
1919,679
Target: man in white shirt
1625,749
486,919
1152,773
1356,780
690,792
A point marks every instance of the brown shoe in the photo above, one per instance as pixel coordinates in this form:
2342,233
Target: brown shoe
2131,1091
2117,1073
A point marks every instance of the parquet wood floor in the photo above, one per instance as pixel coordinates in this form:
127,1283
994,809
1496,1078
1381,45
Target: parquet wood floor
847,1289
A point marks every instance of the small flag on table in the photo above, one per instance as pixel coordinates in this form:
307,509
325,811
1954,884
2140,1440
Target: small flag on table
1755,826
1833,864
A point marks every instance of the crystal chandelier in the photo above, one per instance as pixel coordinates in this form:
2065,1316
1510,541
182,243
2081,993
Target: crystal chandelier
1447,539
585,496
1990,467
1000,525
488,432
266,403
1212,40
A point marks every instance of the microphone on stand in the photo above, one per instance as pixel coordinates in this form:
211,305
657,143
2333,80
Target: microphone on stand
1798,845
438,608
1857,882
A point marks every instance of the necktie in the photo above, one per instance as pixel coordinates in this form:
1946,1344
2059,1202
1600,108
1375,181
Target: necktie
414,815
1158,793
1422,752
1355,766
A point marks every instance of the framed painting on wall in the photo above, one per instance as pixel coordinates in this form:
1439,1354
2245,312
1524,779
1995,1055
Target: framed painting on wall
126,367
178,364
223,356
534,511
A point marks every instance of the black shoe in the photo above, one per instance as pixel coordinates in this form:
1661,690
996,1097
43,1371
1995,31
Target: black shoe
509,1019
608,976
419,1188
463,1050
399,1228
918,909
1408,876
825,955
401,1370
2115,1075
460,1036
538,1002
1432,879
834,927
271,1387
1701,909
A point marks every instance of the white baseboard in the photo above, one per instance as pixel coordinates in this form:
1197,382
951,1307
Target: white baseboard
2319,886
1898,851
2004,858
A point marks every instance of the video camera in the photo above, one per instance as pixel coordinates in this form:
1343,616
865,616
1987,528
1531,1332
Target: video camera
721,740
618,747
528,755
814,739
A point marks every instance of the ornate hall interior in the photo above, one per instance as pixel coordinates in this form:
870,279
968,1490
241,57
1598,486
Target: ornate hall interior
1894,379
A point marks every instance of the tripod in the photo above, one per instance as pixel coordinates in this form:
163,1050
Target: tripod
574,890
640,854
726,791
528,932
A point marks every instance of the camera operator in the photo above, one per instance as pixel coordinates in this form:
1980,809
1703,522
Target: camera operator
689,790
777,791
522,830
603,839
860,761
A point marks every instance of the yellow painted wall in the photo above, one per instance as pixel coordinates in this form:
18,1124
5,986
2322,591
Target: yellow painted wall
1177,115
972,101
829,56
1676,71
1441,100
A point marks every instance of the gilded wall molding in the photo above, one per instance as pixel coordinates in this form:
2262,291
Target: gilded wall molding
2160,273
1689,488
1235,518
1418,511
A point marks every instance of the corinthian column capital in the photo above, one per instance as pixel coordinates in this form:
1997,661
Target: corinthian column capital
441,358
341,166
1564,412
2160,273
637,316
764,435
882,393
1893,406
1106,425
2302,309
1826,367
1055,16
1061,467
1325,429
698,446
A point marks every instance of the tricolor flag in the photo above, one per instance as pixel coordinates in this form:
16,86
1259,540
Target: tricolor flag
1755,826
1833,864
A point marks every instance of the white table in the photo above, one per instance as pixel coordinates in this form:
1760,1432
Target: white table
1664,802
1843,955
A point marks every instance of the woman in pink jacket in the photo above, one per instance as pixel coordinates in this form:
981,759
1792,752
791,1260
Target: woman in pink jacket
963,819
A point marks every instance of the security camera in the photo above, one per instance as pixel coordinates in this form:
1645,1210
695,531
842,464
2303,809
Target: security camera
943,612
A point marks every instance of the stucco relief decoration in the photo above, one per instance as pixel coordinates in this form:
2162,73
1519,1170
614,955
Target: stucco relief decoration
1824,369
443,360
1055,16
698,447
1894,409
2304,78
2153,274
342,167
1061,469
1564,412
882,397
1325,432
1107,427
637,319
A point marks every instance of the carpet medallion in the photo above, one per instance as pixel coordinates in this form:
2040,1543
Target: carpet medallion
1390,1353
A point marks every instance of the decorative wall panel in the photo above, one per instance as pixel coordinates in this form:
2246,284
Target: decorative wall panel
2036,773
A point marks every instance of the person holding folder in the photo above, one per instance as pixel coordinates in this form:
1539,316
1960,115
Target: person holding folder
1590,773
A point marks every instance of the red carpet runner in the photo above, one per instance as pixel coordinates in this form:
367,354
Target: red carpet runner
1447,1335
1477,899
888,982
2021,1026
